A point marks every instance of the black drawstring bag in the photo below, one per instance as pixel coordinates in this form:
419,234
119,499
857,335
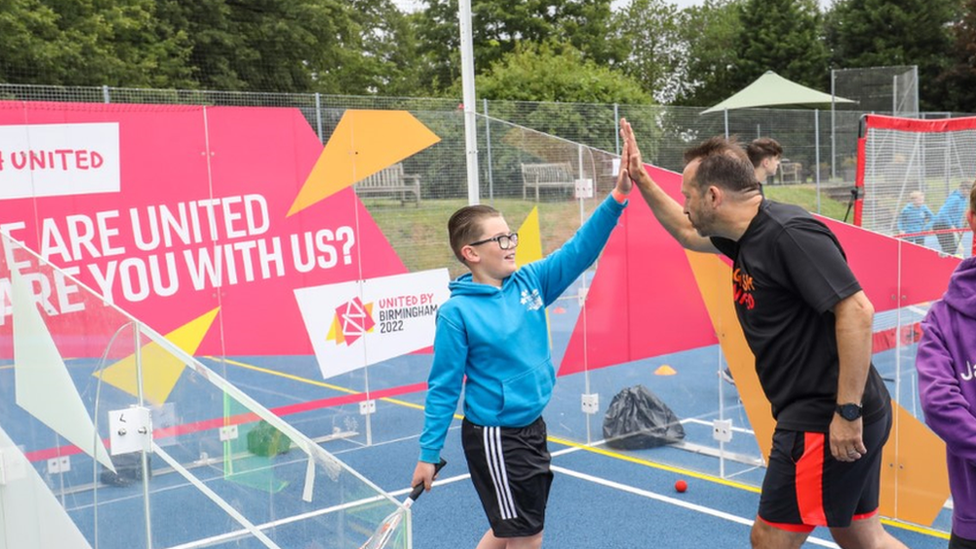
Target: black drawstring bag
638,419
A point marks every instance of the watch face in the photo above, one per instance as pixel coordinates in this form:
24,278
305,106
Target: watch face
850,412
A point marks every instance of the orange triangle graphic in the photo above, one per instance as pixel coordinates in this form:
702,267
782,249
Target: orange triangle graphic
363,143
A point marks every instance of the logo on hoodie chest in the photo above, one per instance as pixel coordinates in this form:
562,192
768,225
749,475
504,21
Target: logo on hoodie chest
532,301
967,373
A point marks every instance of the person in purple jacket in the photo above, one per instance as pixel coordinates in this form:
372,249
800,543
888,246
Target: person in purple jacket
946,362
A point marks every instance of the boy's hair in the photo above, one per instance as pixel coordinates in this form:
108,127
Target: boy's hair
763,148
464,227
723,164
916,194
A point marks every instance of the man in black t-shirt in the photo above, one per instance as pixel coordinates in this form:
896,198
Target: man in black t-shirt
808,323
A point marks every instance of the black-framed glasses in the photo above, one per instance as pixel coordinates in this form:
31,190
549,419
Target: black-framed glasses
505,241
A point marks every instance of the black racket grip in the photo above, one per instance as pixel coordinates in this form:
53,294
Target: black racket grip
419,489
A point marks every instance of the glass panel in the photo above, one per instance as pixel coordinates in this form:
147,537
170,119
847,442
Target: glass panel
123,440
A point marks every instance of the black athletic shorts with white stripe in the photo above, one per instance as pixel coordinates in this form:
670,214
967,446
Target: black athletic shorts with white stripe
510,470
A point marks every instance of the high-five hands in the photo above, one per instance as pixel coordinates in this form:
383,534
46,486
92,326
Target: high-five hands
630,159
624,183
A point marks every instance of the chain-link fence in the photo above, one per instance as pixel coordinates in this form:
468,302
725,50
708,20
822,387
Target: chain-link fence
821,145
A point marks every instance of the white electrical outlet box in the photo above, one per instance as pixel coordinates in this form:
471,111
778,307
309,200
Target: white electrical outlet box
367,407
591,403
228,433
130,430
722,430
584,188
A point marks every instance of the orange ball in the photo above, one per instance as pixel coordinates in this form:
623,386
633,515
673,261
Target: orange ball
680,486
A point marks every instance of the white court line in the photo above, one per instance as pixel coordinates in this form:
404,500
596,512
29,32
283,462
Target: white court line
643,493
677,502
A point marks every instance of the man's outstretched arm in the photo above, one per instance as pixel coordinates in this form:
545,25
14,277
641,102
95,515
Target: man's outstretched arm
668,212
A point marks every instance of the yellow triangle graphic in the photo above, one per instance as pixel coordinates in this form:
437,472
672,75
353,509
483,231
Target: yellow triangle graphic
530,240
665,370
335,331
363,143
161,370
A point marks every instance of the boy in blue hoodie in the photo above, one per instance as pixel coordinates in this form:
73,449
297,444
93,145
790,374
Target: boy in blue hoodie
915,218
492,341
946,361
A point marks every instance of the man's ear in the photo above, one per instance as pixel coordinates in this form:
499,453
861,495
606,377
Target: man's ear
714,195
971,217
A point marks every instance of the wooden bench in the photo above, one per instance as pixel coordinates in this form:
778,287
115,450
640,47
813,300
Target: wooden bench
558,175
393,182
790,172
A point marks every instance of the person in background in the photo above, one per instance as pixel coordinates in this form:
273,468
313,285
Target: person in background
765,154
915,218
952,215
946,361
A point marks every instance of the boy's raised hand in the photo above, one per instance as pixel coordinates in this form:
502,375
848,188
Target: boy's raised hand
624,183
631,160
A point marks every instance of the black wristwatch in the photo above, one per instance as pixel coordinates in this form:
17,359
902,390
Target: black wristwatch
849,411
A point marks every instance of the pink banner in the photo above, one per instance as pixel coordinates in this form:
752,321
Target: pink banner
175,211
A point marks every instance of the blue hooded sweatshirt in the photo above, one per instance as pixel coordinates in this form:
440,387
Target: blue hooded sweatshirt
915,219
946,361
494,342
953,211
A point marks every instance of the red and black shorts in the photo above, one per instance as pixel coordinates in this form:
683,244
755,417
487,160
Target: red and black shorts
806,487
510,471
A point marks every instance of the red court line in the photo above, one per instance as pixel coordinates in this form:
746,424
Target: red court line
249,417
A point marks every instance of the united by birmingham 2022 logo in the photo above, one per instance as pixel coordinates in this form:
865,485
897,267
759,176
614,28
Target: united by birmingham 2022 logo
352,321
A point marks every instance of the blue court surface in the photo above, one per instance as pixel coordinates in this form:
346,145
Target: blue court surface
601,497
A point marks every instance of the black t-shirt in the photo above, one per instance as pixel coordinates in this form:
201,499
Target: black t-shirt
788,272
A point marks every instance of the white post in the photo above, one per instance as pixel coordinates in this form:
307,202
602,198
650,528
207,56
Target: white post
816,153
833,122
467,85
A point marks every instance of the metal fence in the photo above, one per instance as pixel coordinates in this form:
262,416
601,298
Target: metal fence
821,142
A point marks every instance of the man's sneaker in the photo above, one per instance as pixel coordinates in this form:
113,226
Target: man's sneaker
726,374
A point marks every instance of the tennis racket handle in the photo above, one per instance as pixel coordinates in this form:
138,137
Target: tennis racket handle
419,489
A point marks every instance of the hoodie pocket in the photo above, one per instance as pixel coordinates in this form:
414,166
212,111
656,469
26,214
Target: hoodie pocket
525,395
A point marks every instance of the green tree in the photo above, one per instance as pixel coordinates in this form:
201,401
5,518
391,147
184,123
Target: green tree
270,45
89,42
958,81
657,50
555,89
878,33
710,33
31,42
559,73
387,64
498,25
785,36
